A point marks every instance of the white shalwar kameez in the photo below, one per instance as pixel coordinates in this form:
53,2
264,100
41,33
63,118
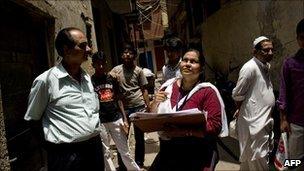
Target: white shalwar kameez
254,122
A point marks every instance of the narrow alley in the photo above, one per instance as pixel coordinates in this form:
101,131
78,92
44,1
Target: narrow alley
224,58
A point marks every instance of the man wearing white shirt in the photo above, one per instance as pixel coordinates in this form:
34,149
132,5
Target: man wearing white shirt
254,98
63,98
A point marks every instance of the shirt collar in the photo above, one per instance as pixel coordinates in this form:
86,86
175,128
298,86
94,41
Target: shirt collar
60,72
265,67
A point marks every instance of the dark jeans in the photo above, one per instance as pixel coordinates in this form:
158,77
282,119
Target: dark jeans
81,156
139,141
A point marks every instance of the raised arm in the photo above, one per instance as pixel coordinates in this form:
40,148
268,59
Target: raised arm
159,97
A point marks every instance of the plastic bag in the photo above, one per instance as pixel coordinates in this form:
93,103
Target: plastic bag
282,153
233,129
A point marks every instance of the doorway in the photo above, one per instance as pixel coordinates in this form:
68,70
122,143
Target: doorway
23,56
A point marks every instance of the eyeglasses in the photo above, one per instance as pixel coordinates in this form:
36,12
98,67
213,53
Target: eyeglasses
82,45
267,50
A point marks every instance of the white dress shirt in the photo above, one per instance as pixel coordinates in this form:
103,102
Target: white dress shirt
68,108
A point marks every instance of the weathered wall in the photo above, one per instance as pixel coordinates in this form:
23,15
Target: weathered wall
68,14
57,15
228,34
4,158
106,29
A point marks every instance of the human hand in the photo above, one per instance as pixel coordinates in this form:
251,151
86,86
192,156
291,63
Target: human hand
126,124
115,76
148,109
160,96
125,127
285,127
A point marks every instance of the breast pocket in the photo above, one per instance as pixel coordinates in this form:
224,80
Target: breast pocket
91,101
64,98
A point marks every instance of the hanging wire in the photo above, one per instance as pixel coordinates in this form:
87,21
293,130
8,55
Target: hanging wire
147,18
145,12
144,7
170,4
150,8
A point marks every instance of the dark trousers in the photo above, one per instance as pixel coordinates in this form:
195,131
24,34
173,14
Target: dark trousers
189,153
139,141
80,156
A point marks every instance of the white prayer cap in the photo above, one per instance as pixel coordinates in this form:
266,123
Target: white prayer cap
258,40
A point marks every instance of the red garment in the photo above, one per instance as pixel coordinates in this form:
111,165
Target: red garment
190,152
204,99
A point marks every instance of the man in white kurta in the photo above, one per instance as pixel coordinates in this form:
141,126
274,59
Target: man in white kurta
255,99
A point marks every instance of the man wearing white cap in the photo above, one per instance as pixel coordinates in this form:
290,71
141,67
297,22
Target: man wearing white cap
254,97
